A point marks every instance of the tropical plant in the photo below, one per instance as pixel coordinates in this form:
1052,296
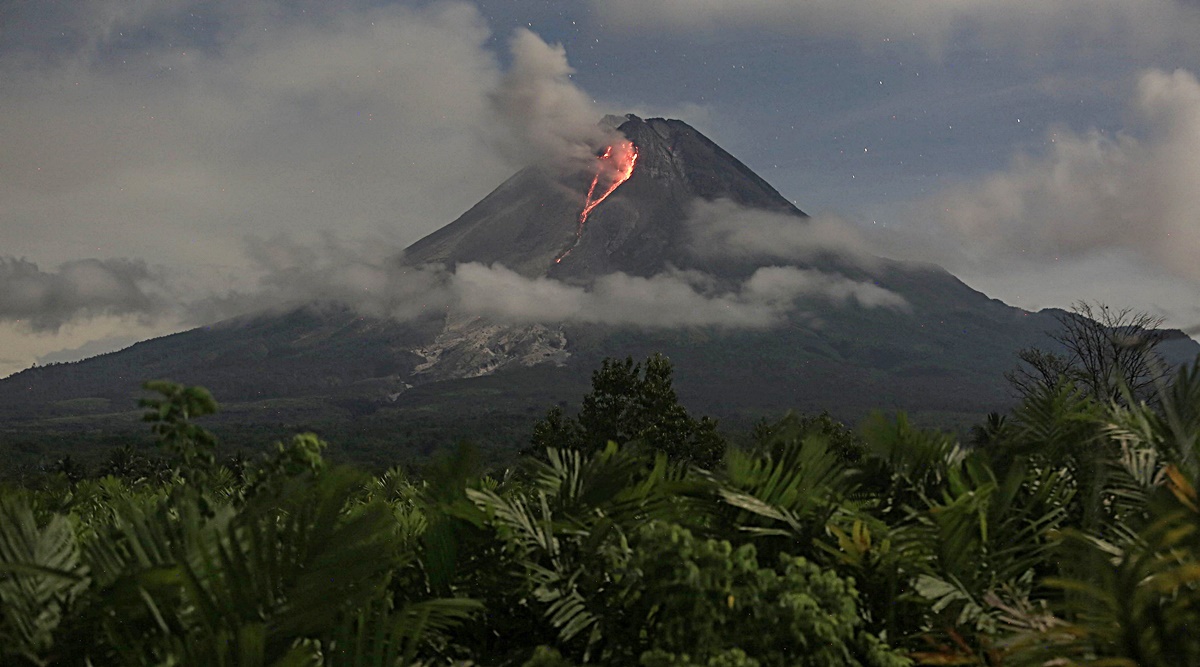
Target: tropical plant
789,488
1133,601
577,516
698,601
296,572
41,576
1065,532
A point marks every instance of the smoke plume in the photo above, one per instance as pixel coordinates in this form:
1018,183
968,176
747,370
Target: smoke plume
548,117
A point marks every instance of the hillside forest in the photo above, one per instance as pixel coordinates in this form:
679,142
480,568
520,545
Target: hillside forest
630,532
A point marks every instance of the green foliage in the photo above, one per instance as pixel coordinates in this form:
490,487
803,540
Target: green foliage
545,656
847,444
299,456
791,489
1136,600
128,463
292,568
193,448
619,590
171,416
1067,533
990,537
704,602
633,402
563,531
41,575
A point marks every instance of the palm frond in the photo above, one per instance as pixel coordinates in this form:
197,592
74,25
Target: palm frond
40,575
200,586
792,488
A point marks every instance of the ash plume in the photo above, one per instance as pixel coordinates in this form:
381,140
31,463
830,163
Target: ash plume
549,119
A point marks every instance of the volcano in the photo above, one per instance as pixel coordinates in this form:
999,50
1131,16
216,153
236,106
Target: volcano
624,211
527,222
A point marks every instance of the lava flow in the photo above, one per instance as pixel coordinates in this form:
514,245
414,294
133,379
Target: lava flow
616,166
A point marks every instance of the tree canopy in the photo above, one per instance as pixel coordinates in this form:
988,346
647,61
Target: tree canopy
633,403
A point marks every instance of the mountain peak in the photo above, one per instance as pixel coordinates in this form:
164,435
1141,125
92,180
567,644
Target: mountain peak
669,147
638,226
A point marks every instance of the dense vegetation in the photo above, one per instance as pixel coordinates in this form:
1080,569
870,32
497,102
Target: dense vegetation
1066,532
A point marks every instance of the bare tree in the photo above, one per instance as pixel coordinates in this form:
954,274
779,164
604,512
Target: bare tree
1104,350
1038,368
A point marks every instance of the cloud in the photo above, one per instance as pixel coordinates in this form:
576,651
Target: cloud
937,22
368,279
46,300
781,283
141,136
368,276
89,300
1092,194
722,228
168,129
91,348
666,300
94,335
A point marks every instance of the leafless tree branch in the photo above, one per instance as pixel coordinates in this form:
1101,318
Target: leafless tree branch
1105,350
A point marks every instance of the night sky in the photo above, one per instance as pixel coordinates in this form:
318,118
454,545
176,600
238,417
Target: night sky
165,164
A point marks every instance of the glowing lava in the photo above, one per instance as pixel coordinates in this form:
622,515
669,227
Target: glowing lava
615,167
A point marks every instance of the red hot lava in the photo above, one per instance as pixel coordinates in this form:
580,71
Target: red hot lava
614,168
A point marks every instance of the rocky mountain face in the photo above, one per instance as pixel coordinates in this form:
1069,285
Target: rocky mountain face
944,354
528,221
472,347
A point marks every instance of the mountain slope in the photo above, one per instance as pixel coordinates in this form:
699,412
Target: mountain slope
942,355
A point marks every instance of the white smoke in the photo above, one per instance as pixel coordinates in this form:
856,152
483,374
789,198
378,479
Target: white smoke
666,300
548,117
367,276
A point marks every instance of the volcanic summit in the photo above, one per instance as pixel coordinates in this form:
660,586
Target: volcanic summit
532,218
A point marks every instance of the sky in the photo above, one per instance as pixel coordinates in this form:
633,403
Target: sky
168,163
